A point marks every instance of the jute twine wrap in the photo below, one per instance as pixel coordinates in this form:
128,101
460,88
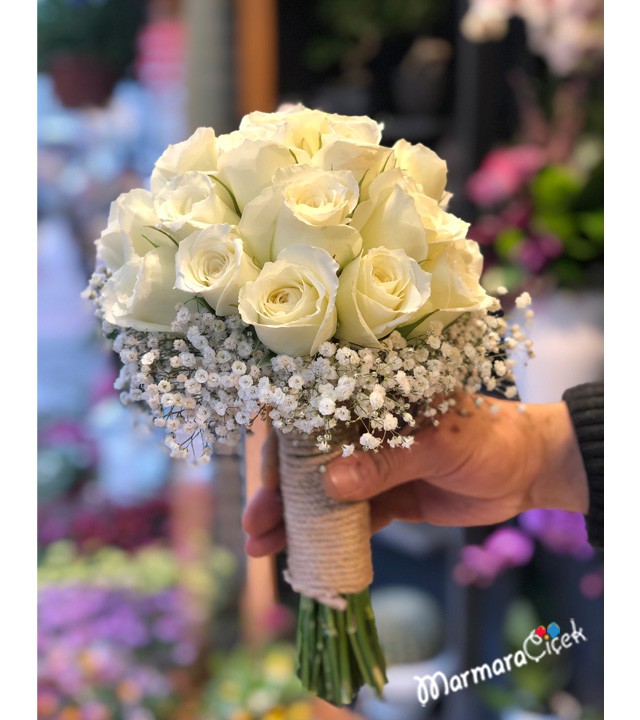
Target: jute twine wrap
328,542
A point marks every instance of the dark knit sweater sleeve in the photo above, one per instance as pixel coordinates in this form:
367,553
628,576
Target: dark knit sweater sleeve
586,407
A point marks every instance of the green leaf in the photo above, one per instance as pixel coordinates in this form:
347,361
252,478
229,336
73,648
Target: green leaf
236,207
163,232
150,241
406,330
389,156
361,179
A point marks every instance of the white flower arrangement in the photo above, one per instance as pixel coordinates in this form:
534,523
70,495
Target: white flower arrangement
298,271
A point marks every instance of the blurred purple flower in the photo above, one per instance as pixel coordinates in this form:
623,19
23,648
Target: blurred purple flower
511,546
485,230
504,548
92,639
559,531
537,251
95,711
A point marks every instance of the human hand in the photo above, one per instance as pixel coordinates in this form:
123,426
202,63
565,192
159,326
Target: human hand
479,467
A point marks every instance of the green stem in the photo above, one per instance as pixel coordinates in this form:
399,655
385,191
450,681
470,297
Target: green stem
339,650
307,628
362,603
352,632
331,645
345,664
317,680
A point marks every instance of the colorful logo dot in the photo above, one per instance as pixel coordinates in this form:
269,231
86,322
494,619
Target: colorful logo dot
550,632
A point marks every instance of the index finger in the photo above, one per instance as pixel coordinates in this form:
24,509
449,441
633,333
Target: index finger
269,470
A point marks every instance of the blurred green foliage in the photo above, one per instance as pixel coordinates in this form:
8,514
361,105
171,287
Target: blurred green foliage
104,29
151,569
346,24
253,684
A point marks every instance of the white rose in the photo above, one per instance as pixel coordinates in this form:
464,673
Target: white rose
304,206
140,294
440,226
389,218
212,263
190,202
364,160
427,169
291,304
249,164
130,229
308,129
377,293
455,269
197,153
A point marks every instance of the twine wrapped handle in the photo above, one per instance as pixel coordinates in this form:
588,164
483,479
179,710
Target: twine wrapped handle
328,542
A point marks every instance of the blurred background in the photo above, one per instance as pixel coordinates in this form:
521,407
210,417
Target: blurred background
148,608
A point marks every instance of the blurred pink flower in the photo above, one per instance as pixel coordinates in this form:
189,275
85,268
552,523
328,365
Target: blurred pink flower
480,564
592,584
503,172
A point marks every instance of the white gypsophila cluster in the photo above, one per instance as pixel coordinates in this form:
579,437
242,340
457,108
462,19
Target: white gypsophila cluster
210,378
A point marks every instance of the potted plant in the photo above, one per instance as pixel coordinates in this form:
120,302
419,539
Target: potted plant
87,46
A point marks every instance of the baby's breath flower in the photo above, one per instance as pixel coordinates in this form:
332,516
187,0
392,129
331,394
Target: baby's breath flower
326,406
389,422
342,413
201,376
369,441
347,356
192,386
376,398
218,376
511,392
288,404
245,382
347,450
500,368
238,368
295,382
327,349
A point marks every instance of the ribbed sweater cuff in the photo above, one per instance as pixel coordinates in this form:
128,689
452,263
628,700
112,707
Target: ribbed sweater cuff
586,407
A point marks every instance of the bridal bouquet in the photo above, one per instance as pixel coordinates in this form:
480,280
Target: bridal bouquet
298,271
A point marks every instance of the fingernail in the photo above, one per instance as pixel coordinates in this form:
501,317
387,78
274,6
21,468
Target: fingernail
343,480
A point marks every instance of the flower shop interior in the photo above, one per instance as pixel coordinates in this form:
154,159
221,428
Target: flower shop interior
149,607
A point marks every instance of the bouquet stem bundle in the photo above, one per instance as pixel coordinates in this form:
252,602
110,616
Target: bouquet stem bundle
329,564
338,650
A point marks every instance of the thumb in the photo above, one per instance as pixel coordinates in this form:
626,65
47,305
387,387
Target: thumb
366,474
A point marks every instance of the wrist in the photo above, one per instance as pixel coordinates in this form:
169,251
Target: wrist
559,480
